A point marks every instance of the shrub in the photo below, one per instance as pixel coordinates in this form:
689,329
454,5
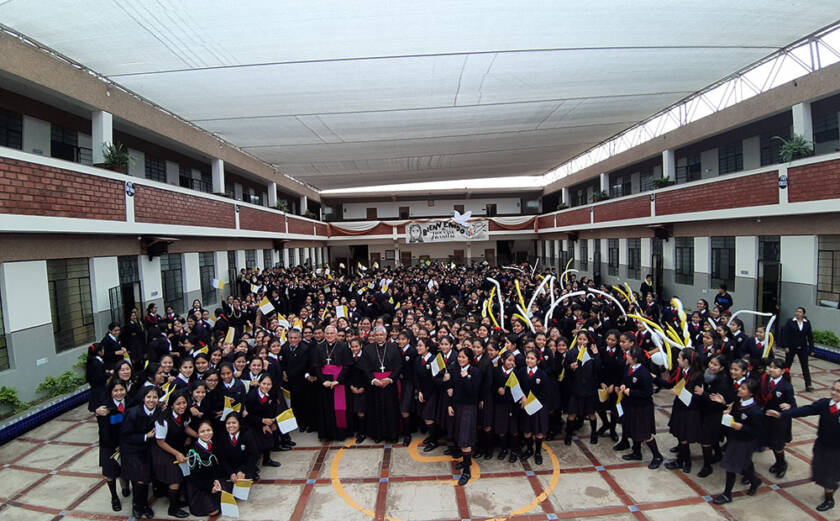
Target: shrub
599,196
794,148
64,383
661,182
81,363
9,400
826,338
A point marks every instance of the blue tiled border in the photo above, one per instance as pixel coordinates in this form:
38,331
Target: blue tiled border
41,413
827,353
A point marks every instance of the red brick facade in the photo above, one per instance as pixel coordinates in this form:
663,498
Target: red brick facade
753,190
625,209
33,189
814,182
546,221
573,217
300,226
153,205
253,219
321,229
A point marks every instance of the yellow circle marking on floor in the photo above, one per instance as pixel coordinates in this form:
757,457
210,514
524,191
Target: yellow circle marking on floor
413,452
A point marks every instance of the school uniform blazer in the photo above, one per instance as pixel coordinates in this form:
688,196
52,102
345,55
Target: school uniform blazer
258,410
135,426
466,390
828,430
640,383
744,345
485,368
720,385
111,347
110,426
241,457
538,384
408,356
499,381
355,373
793,338
781,393
585,378
751,418
424,382
612,366
236,392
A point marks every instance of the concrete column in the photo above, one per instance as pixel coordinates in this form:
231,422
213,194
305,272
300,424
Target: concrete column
191,279
304,204
259,259
220,265
325,254
104,275
469,253
746,274
286,257
304,255
564,196
317,257
647,248
102,133
622,260
605,182
295,256
669,164
702,255
802,122
272,195
151,285
668,255
240,261
218,174
275,258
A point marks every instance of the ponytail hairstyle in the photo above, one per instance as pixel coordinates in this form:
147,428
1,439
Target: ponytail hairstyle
630,337
695,366
780,363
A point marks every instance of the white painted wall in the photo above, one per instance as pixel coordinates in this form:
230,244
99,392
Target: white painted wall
702,254
151,285
240,261
799,258
36,136
668,254
421,208
104,275
746,256
622,252
190,272
220,263
647,244
25,294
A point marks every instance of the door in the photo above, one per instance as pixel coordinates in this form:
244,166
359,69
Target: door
459,257
376,257
657,265
490,256
405,258
371,214
596,262
768,289
503,252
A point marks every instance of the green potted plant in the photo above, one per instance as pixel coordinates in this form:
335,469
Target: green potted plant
794,148
115,157
562,206
282,205
310,214
600,195
661,182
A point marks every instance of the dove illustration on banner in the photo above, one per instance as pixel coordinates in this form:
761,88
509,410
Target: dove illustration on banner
462,219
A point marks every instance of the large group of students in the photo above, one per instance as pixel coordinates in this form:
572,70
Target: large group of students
188,404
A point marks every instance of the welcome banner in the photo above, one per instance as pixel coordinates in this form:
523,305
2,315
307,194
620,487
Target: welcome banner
446,231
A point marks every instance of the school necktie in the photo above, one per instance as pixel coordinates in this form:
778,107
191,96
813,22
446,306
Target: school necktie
121,407
263,399
209,446
772,385
530,373
736,385
178,419
833,409
233,440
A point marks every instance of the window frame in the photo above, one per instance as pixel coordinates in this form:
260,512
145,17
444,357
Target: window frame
717,258
684,260
613,257
634,258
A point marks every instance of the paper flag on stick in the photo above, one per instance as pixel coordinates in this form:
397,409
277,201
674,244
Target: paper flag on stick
229,336
266,306
515,390
287,396
437,364
242,489
229,407
218,284
229,507
286,421
532,405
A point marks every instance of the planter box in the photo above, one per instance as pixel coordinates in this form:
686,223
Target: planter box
29,419
832,354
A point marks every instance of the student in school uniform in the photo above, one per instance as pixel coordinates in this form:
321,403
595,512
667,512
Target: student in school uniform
465,395
428,392
204,485
111,344
745,430
186,373
583,386
744,344
172,430
716,381
776,395
406,381
610,376
230,387
534,427
825,462
355,381
485,403
685,420
637,403
440,397
137,435
95,375
237,450
109,417
506,412
262,411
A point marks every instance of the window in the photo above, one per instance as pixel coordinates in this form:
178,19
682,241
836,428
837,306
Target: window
458,208
63,143
185,179
4,350
825,128
769,249
207,272
127,266
250,258
490,209
828,270
723,262
634,258
404,212
233,273
584,254
684,260
620,185
267,259
173,282
770,145
70,302
612,252
646,181
371,214
155,169
731,158
11,130
689,168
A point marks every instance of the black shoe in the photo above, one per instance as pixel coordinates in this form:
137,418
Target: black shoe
550,436
430,446
593,439
136,514
633,456
753,487
513,457
622,445
705,471
116,506
489,454
773,468
687,466
674,450
614,436
718,457
126,492
360,438
177,512
290,443
568,440
673,464
655,462
465,478
377,440
148,512
828,504
809,389
426,440
782,470
477,453
538,458
527,454
745,480
407,440
502,454
283,448
722,499
459,465
603,430
270,463
449,451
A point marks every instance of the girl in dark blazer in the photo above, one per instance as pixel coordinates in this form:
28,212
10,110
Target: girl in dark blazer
206,473
262,411
716,382
237,450
109,417
583,387
798,340
229,386
172,430
745,430
777,392
637,403
136,438
685,420
465,394
428,392
355,382
95,375
505,411
825,463
532,379
610,376
485,403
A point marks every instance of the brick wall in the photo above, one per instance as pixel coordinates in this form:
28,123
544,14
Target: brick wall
626,209
753,190
300,226
573,217
32,189
153,205
321,229
253,219
814,182
546,221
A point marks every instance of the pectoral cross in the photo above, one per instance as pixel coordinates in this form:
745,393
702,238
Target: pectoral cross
382,368
328,360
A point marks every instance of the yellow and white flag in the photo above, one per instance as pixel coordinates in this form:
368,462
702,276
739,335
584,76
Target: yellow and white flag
341,312
266,306
229,507
437,364
375,265
682,393
583,355
532,405
126,356
515,389
286,421
167,392
341,265
618,407
287,396
229,407
360,267
218,284
229,336
242,488
255,288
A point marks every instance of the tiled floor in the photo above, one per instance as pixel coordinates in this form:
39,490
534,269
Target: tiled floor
51,473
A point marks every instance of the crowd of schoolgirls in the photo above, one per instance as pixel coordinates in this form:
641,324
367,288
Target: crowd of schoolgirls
384,354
